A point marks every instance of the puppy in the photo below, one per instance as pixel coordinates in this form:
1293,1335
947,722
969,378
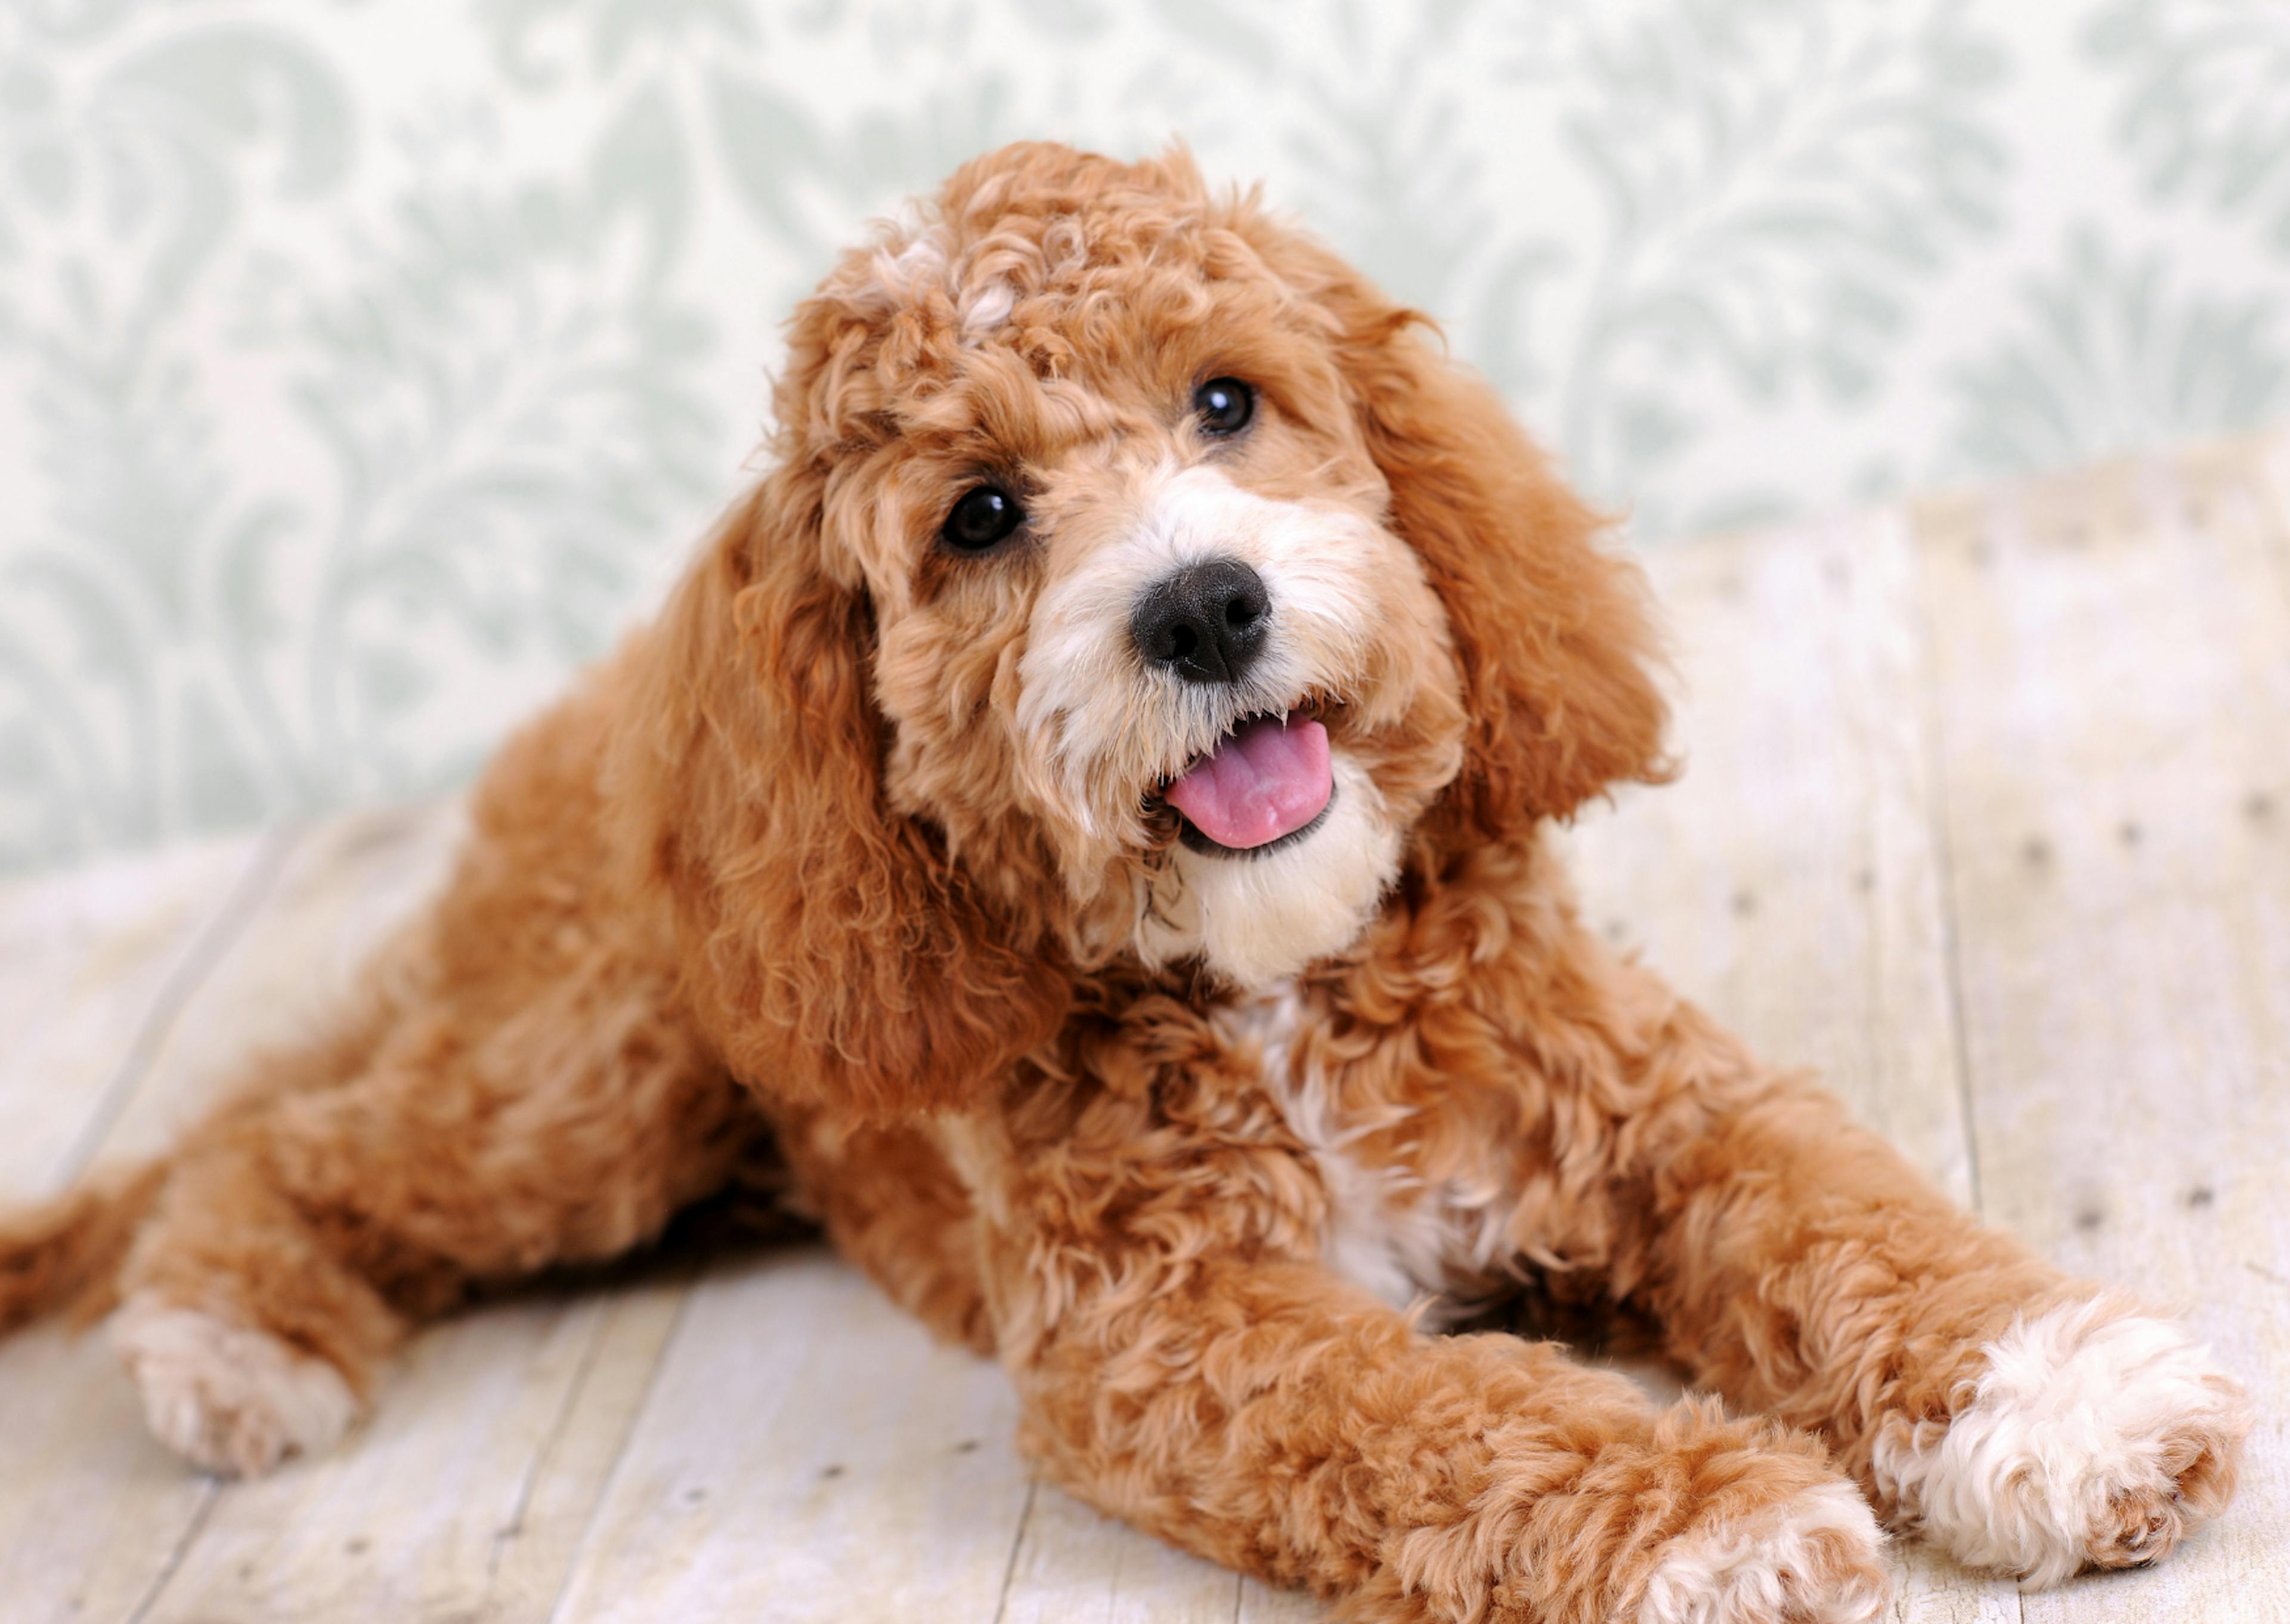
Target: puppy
1084,814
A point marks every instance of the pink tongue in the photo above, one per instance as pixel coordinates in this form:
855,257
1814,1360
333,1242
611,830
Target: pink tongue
1268,779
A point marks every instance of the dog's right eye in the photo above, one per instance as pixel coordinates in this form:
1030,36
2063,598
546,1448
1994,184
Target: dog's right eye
983,517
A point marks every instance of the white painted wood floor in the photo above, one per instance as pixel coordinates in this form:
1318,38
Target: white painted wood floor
1986,815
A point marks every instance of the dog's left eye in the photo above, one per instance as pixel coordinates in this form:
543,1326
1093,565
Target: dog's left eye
1225,405
980,518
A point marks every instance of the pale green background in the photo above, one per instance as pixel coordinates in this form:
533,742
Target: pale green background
363,366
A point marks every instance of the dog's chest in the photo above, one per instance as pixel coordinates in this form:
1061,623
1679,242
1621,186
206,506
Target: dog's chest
1389,1228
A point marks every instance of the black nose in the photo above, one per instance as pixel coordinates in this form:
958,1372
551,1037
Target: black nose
1206,621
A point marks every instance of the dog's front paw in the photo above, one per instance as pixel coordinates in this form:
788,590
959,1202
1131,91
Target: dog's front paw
230,1398
2092,1436
1813,1558
1760,1528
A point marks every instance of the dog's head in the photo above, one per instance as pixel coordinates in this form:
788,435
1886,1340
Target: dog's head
1132,578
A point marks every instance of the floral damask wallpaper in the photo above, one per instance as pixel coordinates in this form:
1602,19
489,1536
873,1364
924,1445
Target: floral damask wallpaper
365,363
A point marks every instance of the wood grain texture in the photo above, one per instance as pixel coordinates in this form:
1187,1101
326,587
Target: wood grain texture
466,1496
2113,676
95,968
1074,1565
1985,815
807,1453
1791,879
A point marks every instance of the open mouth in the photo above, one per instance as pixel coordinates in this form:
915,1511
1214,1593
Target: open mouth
1267,783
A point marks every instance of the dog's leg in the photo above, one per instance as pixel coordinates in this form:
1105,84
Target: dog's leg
295,1243
1269,1417
516,1088
2028,1422
1187,1362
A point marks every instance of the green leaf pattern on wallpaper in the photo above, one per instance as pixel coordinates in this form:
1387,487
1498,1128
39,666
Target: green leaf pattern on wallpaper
367,365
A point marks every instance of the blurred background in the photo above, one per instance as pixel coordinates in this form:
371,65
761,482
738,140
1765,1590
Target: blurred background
365,367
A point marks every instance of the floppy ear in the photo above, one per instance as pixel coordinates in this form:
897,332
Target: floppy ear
828,945
1554,635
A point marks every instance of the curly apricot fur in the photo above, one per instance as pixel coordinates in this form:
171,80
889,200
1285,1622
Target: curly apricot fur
839,865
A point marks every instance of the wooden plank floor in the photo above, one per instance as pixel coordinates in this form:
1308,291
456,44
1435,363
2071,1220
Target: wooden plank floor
1986,815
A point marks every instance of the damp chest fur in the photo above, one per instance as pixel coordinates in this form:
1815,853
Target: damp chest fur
1390,1228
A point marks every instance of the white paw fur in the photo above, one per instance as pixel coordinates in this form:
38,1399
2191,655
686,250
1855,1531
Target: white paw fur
228,1398
1813,1558
2072,1447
